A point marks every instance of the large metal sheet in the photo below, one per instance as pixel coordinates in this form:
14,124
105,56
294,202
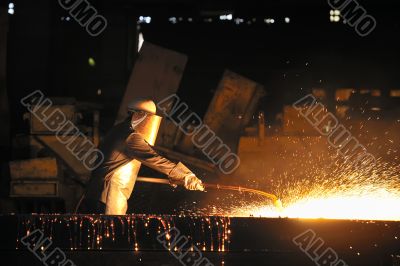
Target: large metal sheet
34,189
232,107
60,150
224,241
37,126
156,75
38,168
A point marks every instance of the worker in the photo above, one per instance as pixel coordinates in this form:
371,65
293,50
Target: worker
108,191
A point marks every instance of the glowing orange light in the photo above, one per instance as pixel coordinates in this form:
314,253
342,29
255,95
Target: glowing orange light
347,191
380,204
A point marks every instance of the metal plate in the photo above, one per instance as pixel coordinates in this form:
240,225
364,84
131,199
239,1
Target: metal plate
34,189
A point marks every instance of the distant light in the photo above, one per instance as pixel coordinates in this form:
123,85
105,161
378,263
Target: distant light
140,41
334,15
208,20
99,92
190,19
269,20
287,20
11,10
67,18
144,19
394,93
238,21
91,62
335,18
180,18
226,17
173,20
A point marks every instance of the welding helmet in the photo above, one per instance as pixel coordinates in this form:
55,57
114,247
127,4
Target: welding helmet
142,105
139,109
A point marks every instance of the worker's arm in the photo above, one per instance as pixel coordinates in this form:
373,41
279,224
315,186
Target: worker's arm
137,148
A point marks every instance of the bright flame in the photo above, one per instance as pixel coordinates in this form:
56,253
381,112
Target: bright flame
381,205
373,194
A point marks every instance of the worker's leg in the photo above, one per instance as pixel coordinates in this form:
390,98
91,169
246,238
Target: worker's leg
120,188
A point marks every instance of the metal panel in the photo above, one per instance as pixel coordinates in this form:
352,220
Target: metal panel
232,107
156,75
39,142
34,168
34,189
38,127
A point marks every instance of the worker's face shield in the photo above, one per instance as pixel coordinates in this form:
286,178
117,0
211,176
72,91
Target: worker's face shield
137,118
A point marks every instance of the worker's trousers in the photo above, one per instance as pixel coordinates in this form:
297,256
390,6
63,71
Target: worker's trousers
121,187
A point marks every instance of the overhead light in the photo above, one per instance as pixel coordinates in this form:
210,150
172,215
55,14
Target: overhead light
173,20
238,21
91,62
11,10
144,19
269,20
334,15
226,17
335,18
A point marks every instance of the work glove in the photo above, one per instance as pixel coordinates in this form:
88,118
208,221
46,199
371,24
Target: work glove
182,175
193,183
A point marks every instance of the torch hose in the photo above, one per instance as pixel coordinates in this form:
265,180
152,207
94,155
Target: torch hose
276,201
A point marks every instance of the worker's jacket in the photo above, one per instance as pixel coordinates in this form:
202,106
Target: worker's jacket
121,145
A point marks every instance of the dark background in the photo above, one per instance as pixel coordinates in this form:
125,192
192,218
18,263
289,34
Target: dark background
47,52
